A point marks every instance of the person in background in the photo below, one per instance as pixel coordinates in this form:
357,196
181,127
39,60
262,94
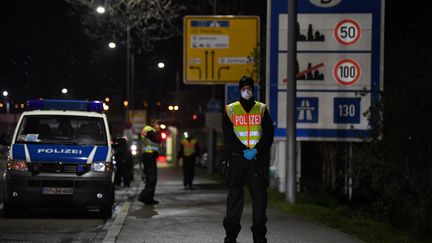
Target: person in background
248,135
189,151
151,144
124,162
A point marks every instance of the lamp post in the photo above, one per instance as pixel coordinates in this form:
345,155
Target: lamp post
5,95
130,69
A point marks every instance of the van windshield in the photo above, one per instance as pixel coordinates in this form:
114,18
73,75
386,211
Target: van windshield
65,130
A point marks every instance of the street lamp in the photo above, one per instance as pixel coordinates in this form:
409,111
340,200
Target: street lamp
64,91
161,65
112,45
5,93
100,9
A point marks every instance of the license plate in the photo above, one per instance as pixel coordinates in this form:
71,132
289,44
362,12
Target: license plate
57,190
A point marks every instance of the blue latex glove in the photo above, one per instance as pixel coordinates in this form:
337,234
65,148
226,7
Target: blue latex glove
253,152
245,153
250,154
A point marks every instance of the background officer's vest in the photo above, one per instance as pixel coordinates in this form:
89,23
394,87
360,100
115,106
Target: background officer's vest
189,146
247,126
147,145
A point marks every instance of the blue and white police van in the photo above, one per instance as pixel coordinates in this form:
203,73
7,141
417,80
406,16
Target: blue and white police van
60,154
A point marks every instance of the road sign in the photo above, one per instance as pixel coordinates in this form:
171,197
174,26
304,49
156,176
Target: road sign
339,67
219,49
347,71
347,32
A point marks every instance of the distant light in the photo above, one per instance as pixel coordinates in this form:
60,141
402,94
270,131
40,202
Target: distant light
1,105
22,106
164,135
162,126
5,93
105,107
16,106
125,103
186,134
112,45
64,91
176,107
100,9
134,147
107,99
170,107
161,65
195,117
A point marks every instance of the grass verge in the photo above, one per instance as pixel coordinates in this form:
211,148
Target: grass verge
328,212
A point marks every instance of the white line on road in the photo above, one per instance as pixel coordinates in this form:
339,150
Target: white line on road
115,228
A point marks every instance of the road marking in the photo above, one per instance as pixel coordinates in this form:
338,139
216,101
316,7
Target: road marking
118,223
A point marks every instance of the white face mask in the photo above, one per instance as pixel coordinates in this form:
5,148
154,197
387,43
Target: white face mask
246,94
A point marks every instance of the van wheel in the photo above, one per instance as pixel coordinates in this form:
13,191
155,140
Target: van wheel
105,211
10,211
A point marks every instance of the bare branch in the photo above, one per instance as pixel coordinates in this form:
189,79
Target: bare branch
148,20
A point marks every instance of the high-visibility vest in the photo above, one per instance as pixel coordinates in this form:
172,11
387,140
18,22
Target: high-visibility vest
189,146
147,145
247,126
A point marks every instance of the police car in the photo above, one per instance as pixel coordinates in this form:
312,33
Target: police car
60,154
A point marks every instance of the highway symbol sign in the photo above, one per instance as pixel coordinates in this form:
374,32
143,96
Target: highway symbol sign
219,49
307,109
347,32
347,72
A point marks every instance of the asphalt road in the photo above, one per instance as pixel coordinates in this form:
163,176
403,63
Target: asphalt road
182,216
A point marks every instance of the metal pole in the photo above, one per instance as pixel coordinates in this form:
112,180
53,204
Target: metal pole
132,81
128,66
290,195
349,171
298,168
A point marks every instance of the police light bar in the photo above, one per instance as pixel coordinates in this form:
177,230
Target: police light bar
75,105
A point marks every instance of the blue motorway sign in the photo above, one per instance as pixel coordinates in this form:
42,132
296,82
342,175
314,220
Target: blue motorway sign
339,66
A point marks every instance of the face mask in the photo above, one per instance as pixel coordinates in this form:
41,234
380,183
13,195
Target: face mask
246,94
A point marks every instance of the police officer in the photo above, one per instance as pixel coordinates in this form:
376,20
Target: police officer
248,133
189,151
151,143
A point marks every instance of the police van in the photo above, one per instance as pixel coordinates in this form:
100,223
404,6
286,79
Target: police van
60,154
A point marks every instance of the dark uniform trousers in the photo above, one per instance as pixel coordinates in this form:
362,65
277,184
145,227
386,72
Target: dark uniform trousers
252,171
150,176
188,170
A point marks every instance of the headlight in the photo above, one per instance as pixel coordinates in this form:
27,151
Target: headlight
134,147
101,166
19,165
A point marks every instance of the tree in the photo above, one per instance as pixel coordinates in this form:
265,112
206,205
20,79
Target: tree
146,21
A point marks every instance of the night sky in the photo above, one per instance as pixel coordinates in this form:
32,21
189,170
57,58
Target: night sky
43,49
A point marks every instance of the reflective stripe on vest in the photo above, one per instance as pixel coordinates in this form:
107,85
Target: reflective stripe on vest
247,126
147,145
189,147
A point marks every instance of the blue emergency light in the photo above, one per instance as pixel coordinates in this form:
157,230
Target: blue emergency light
75,105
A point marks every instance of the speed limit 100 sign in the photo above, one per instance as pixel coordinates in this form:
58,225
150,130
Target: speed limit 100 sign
347,32
347,72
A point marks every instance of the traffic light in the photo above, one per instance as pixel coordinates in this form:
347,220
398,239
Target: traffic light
198,119
164,135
